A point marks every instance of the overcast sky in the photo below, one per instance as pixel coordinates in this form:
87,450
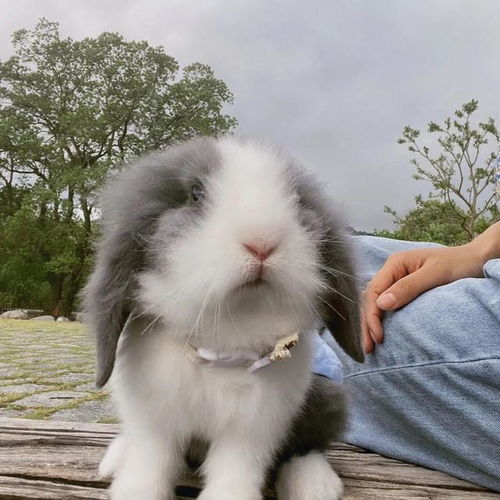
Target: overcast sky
331,81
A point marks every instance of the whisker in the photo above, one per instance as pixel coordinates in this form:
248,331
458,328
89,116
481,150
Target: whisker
334,290
332,308
150,325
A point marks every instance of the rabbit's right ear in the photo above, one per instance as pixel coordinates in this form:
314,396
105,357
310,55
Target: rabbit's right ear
131,206
107,295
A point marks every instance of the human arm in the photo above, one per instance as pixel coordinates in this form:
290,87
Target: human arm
406,275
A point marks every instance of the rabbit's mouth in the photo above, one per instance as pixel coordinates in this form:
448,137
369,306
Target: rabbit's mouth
254,283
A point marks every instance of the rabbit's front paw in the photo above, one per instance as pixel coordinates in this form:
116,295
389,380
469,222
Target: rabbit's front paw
221,494
114,454
308,478
134,488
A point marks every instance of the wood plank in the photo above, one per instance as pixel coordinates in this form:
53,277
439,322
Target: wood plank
58,460
21,488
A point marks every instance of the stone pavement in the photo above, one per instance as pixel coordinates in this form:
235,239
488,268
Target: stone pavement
47,372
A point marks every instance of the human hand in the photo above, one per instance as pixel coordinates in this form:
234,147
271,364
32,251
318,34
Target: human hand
406,275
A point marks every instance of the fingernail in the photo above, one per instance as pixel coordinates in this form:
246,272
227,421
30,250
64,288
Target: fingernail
386,301
377,338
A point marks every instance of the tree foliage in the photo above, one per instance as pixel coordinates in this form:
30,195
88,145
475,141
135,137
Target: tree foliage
461,173
70,112
432,220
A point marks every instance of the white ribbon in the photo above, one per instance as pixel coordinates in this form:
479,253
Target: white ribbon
252,360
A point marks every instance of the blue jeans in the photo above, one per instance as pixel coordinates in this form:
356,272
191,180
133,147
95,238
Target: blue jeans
430,394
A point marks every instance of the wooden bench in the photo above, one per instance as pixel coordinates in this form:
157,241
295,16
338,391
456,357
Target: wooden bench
58,460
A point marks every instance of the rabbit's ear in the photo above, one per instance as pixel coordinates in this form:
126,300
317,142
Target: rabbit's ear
107,295
341,298
132,204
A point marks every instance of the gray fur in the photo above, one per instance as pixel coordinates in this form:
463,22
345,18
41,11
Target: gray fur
158,186
149,203
339,305
131,207
320,421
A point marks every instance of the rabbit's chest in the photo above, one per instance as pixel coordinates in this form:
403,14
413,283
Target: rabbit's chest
205,399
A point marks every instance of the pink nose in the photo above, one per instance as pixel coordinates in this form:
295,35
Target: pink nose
260,250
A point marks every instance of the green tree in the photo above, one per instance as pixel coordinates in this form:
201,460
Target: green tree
432,220
71,111
463,201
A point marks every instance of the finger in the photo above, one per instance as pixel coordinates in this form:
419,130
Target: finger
375,326
393,270
408,288
368,343
365,335
373,316
397,266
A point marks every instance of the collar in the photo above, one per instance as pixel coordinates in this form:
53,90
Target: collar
247,358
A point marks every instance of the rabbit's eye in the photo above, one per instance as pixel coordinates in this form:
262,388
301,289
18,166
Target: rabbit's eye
197,193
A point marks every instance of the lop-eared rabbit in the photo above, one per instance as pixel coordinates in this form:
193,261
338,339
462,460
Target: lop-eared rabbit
219,261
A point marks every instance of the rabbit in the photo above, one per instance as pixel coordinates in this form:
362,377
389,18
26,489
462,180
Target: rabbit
219,260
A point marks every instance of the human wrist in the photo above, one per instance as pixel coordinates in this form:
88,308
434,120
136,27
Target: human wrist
490,250
474,257
487,245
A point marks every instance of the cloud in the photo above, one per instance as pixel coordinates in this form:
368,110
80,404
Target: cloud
331,81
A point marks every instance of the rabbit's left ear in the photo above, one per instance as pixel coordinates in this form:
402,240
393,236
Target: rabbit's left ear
341,298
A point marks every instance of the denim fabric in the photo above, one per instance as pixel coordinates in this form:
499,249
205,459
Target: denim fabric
430,394
326,362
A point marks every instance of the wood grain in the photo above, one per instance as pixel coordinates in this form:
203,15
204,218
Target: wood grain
58,460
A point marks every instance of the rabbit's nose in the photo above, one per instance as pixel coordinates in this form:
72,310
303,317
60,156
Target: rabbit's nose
260,250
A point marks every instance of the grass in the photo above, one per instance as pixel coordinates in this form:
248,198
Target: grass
43,412
45,355
108,420
5,399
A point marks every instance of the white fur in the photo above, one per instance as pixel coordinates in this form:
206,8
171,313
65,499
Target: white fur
111,461
252,202
308,478
163,398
